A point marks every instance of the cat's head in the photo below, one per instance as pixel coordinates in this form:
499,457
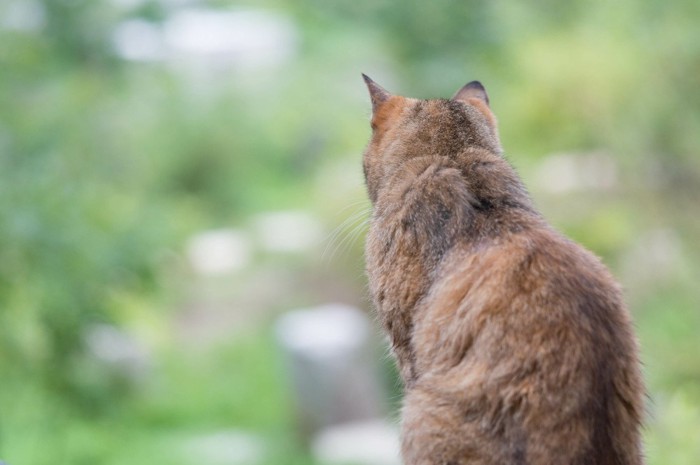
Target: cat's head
405,128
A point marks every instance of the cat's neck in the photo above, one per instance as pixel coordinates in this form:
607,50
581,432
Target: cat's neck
493,181
497,196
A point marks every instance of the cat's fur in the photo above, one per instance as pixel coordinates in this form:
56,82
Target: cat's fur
513,342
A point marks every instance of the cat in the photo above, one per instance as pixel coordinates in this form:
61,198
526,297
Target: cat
513,342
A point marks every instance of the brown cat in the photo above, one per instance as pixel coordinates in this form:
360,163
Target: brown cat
513,342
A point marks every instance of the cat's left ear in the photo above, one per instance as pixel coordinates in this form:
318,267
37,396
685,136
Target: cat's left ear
472,90
377,93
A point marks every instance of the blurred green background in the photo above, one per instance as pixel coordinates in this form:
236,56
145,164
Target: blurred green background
130,127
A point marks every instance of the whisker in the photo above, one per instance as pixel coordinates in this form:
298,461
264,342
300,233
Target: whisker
350,238
353,204
343,224
342,227
358,222
357,233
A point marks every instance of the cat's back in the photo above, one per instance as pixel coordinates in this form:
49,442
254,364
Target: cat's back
534,282
534,324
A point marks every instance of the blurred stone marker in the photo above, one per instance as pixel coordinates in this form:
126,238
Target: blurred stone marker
208,39
218,251
287,231
226,447
243,38
330,359
575,172
23,16
373,442
118,350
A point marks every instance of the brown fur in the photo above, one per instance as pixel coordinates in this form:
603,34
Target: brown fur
513,342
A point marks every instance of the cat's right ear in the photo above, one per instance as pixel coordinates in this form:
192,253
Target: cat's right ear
475,95
472,90
377,93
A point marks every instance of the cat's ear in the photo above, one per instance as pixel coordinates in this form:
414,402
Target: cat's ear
475,95
377,93
472,90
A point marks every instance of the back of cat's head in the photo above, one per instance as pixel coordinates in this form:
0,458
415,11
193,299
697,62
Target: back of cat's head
405,128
